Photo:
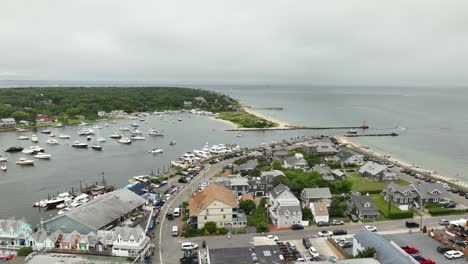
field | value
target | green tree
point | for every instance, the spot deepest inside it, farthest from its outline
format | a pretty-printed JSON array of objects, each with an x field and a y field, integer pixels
[
  {"x": 280, "y": 179},
  {"x": 307, "y": 214},
  {"x": 262, "y": 228},
  {"x": 20, "y": 115},
  {"x": 247, "y": 206},
  {"x": 73, "y": 111},
  {"x": 276, "y": 165},
  {"x": 210, "y": 227},
  {"x": 341, "y": 186},
  {"x": 366, "y": 253}
]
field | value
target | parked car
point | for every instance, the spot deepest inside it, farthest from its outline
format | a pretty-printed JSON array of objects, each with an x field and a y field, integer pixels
[
  {"x": 297, "y": 227},
  {"x": 314, "y": 253},
  {"x": 442, "y": 249},
  {"x": 183, "y": 180},
  {"x": 272, "y": 237},
  {"x": 337, "y": 222},
  {"x": 453, "y": 254},
  {"x": 352, "y": 217},
  {"x": 189, "y": 246},
  {"x": 325, "y": 233},
  {"x": 322, "y": 223},
  {"x": 345, "y": 244},
  {"x": 411, "y": 224},
  {"x": 169, "y": 216},
  {"x": 339, "y": 232},
  {"x": 423, "y": 260},
  {"x": 444, "y": 222},
  {"x": 291, "y": 245},
  {"x": 306, "y": 242},
  {"x": 450, "y": 205},
  {"x": 454, "y": 190},
  {"x": 370, "y": 228},
  {"x": 410, "y": 249}
]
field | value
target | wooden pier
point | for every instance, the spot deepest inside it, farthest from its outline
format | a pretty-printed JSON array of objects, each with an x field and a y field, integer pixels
[
  {"x": 373, "y": 135},
  {"x": 297, "y": 128}
]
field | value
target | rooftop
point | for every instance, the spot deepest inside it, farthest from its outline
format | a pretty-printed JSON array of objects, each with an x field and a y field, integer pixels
[
  {"x": 386, "y": 252},
  {"x": 317, "y": 192},
  {"x": 200, "y": 200}
]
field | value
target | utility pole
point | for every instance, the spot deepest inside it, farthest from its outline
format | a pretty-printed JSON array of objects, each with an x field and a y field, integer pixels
[{"x": 421, "y": 214}]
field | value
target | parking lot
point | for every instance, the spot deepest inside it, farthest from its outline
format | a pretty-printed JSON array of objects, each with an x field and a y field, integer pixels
[{"x": 426, "y": 245}]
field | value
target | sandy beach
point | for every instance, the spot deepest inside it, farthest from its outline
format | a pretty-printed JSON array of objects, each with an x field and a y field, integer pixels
[{"x": 399, "y": 162}]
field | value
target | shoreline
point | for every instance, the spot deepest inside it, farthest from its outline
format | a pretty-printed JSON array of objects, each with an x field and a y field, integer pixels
[
  {"x": 281, "y": 124},
  {"x": 399, "y": 162}
]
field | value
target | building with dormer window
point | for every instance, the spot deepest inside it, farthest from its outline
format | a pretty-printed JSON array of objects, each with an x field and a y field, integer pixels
[
  {"x": 363, "y": 205},
  {"x": 14, "y": 232},
  {"x": 285, "y": 209},
  {"x": 430, "y": 193},
  {"x": 128, "y": 241},
  {"x": 402, "y": 197}
]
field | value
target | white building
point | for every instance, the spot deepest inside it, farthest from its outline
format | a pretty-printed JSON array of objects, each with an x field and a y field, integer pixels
[
  {"x": 128, "y": 241},
  {"x": 6, "y": 122},
  {"x": 285, "y": 209},
  {"x": 319, "y": 211}
]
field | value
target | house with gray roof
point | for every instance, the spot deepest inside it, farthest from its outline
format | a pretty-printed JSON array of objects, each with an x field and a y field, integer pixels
[
  {"x": 129, "y": 241},
  {"x": 238, "y": 184},
  {"x": 246, "y": 167},
  {"x": 386, "y": 252},
  {"x": 324, "y": 171},
  {"x": 363, "y": 205},
  {"x": 280, "y": 154},
  {"x": 296, "y": 162},
  {"x": 311, "y": 195},
  {"x": 377, "y": 172},
  {"x": 402, "y": 196},
  {"x": 320, "y": 147},
  {"x": 285, "y": 209},
  {"x": 14, "y": 232},
  {"x": 263, "y": 185},
  {"x": 338, "y": 174},
  {"x": 430, "y": 193},
  {"x": 7, "y": 122},
  {"x": 105, "y": 210},
  {"x": 349, "y": 158}
]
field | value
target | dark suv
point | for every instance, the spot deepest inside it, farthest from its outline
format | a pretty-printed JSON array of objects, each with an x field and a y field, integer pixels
[
  {"x": 411, "y": 224},
  {"x": 306, "y": 243}
]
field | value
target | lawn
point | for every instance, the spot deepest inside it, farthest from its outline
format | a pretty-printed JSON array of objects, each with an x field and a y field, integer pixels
[
  {"x": 395, "y": 212},
  {"x": 364, "y": 185}
]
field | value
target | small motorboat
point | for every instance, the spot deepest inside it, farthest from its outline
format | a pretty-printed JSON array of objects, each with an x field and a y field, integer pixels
[
  {"x": 21, "y": 130},
  {"x": 52, "y": 141},
  {"x": 125, "y": 141},
  {"x": 179, "y": 119},
  {"x": 14, "y": 149},
  {"x": 240, "y": 135},
  {"x": 134, "y": 125},
  {"x": 47, "y": 131},
  {"x": 115, "y": 135},
  {"x": 34, "y": 139},
  {"x": 43, "y": 156},
  {"x": 114, "y": 122},
  {"x": 23, "y": 138},
  {"x": 25, "y": 161},
  {"x": 78, "y": 144},
  {"x": 172, "y": 143},
  {"x": 135, "y": 132},
  {"x": 137, "y": 138},
  {"x": 3, "y": 168},
  {"x": 100, "y": 139},
  {"x": 156, "y": 150},
  {"x": 28, "y": 151},
  {"x": 106, "y": 124},
  {"x": 64, "y": 210},
  {"x": 352, "y": 131},
  {"x": 124, "y": 129},
  {"x": 96, "y": 147},
  {"x": 60, "y": 206},
  {"x": 2, "y": 159},
  {"x": 156, "y": 132},
  {"x": 64, "y": 136},
  {"x": 58, "y": 125}
]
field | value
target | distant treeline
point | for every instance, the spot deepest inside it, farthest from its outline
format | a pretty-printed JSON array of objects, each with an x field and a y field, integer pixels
[{"x": 66, "y": 102}]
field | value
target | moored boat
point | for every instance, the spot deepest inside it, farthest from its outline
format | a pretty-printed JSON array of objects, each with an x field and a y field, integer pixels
[
  {"x": 25, "y": 161},
  {"x": 115, "y": 135},
  {"x": 156, "y": 132},
  {"x": 137, "y": 138},
  {"x": 173, "y": 142},
  {"x": 78, "y": 144},
  {"x": 64, "y": 136},
  {"x": 43, "y": 156},
  {"x": 47, "y": 131},
  {"x": 23, "y": 138},
  {"x": 3, "y": 168},
  {"x": 14, "y": 149},
  {"x": 52, "y": 141},
  {"x": 34, "y": 139},
  {"x": 125, "y": 141},
  {"x": 96, "y": 147},
  {"x": 156, "y": 150}
]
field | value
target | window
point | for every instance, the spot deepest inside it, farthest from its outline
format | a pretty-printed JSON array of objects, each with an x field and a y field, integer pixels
[
  {"x": 224, "y": 216},
  {"x": 205, "y": 217},
  {"x": 436, "y": 200},
  {"x": 222, "y": 210},
  {"x": 207, "y": 210}
]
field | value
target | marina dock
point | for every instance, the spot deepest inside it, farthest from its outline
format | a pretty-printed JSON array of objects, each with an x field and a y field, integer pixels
[{"x": 298, "y": 128}]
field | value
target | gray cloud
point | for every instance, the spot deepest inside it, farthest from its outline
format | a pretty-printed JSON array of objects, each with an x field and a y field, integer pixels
[{"x": 396, "y": 42}]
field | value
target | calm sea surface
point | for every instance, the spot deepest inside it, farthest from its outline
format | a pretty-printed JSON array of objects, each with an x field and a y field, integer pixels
[{"x": 431, "y": 122}]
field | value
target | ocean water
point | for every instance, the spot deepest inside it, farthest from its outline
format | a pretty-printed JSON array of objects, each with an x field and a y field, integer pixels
[{"x": 430, "y": 122}]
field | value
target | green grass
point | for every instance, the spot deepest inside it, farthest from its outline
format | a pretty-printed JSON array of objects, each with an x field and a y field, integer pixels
[
  {"x": 246, "y": 120},
  {"x": 364, "y": 185},
  {"x": 395, "y": 212}
]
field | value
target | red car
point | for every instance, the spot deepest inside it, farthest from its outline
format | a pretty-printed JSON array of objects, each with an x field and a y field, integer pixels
[
  {"x": 423, "y": 260},
  {"x": 410, "y": 249}
]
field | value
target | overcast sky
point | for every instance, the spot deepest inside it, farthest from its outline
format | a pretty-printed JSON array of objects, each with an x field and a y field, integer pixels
[{"x": 312, "y": 42}]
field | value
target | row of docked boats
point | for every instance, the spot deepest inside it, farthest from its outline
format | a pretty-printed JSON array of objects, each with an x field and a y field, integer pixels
[{"x": 206, "y": 152}]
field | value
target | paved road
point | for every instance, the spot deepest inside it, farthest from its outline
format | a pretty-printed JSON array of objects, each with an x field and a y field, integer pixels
[{"x": 167, "y": 246}]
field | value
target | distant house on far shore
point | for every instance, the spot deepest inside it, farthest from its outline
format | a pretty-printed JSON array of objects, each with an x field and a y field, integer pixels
[
  {"x": 7, "y": 122},
  {"x": 42, "y": 119}
]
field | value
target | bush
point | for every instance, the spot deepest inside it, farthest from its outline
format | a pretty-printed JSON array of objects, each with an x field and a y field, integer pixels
[
  {"x": 445, "y": 211},
  {"x": 240, "y": 161},
  {"x": 307, "y": 214},
  {"x": 247, "y": 205},
  {"x": 222, "y": 231},
  {"x": 24, "y": 251},
  {"x": 190, "y": 230},
  {"x": 262, "y": 228},
  {"x": 366, "y": 253},
  {"x": 240, "y": 231},
  {"x": 400, "y": 215},
  {"x": 210, "y": 227}
]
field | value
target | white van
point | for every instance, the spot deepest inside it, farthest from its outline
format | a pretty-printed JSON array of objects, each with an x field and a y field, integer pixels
[
  {"x": 175, "y": 230},
  {"x": 176, "y": 211}
]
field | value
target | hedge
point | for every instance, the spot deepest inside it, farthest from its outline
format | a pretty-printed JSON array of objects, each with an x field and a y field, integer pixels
[
  {"x": 445, "y": 211},
  {"x": 400, "y": 215}
]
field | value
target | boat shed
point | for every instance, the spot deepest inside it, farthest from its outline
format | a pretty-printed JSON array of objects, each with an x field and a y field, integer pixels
[{"x": 103, "y": 212}]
